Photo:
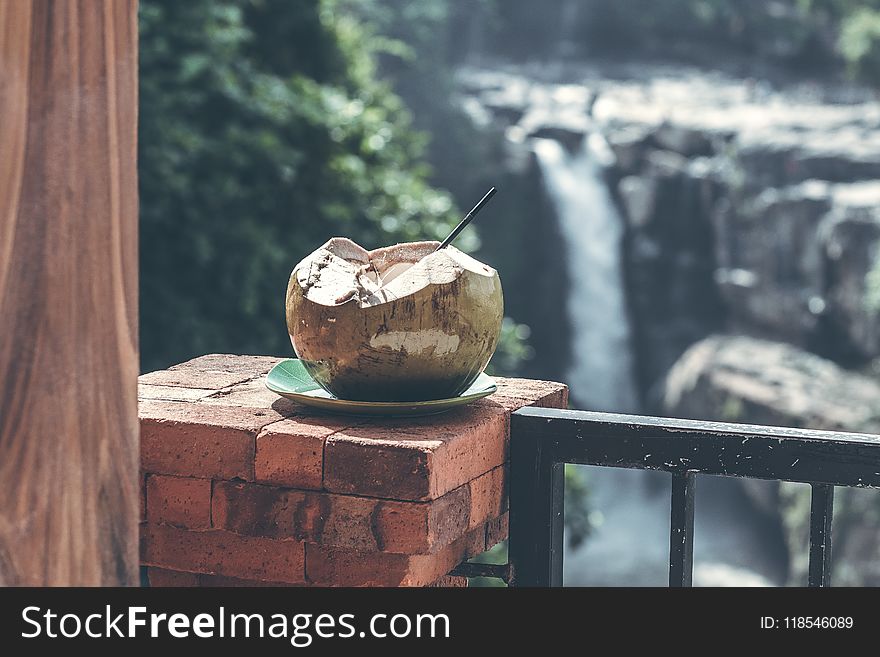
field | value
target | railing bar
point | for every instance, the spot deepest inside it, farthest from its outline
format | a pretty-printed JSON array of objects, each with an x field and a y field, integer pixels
[
  {"x": 681, "y": 529},
  {"x": 756, "y": 458},
  {"x": 673, "y": 445},
  {"x": 536, "y": 499},
  {"x": 821, "y": 510},
  {"x": 592, "y": 423},
  {"x": 557, "y": 528},
  {"x": 542, "y": 440}
]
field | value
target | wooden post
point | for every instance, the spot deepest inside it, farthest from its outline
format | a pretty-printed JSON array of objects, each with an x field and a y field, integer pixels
[{"x": 68, "y": 292}]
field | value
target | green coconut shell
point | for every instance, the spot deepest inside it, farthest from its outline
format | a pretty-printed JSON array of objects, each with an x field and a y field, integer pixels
[{"x": 426, "y": 334}]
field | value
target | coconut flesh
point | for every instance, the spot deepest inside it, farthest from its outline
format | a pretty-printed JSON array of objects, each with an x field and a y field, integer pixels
[{"x": 401, "y": 323}]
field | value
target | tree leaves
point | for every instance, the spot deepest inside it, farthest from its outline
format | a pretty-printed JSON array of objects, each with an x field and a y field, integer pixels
[{"x": 264, "y": 130}]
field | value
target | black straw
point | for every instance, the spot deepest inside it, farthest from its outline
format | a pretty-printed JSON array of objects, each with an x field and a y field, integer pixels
[{"x": 467, "y": 219}]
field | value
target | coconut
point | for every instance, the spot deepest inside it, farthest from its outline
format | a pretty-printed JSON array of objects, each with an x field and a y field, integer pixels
[{"x": 401, "y": 323}]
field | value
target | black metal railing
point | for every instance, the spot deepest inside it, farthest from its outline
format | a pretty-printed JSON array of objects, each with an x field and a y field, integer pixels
[{"x": 542, "y": 441}]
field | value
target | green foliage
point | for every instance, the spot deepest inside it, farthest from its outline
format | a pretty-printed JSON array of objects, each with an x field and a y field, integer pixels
[
  {"x": 733, "y": 409},
  {"x": 857, "y": 25},
  {"x": 872, "y": 287},
  {"x": 264, "y": 130},
  {"x": 496, "y": 554},
  {"x": 420, "y": 43},
  {"x": 860, "y": 43},
  {"x": 580, "y": 519},
  {"x": 513, "y": 349}
]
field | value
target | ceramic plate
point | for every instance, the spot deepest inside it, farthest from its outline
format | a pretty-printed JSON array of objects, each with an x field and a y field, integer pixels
[{"x": 290, "y": 379}]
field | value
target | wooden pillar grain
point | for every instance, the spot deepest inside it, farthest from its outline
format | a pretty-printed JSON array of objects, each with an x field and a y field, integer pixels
[{"x": 68, "y": 292}]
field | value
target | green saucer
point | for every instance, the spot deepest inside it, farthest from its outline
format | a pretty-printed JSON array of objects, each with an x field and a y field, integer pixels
[{"x": 290, "y": 379}]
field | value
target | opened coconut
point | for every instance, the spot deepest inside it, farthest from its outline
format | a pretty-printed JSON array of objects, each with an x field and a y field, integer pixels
[{"x": 401, "y": 323}]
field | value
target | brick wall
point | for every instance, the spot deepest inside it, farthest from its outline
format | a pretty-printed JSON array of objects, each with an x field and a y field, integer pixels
[{"x": 241, "y": 487}]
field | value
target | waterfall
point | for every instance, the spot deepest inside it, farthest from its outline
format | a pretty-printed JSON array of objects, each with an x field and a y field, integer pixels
[
  {"x": 631, "y": 545},
  {"x": 600, "y": 373}
]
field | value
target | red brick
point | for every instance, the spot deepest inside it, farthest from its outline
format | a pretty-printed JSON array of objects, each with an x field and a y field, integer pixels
[
  {"x": 198, "y": 440},
  {"x": 330, "y": 566},
  {"x": 403, "y": 527},
  {"x": 450, "y": 582},
  {"x": 179, "y": 501},
  {"x": 467, "y": 455},
  {"x": 416, "y": 458},
  {"x": 496, "y": 530},
  {"x": 171, "y": 393},
  {"x": 142, "y": 494},
  {"x": 514, "y": 394},
  {"x": 488, "y": 497},
  {"x": 291, "y": 452},
  {"x": 254, "y": 510},
  {"x": 213, "y": 372},
  {"x": 236, "y": 582},
  {"x": 252, "y": 393},
  {"x": 378, "y": 466},
  {"x": 366, "y": 524},
  {"x": 447, "y": 521},
  {"x": 217, "y": 552},
  {"x": 163, "y": 577},
  {"x": 166, "y": 578}
]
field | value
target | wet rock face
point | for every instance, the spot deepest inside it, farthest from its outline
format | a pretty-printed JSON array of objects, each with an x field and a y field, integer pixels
[
  {"x": 743, "y": 379},
  {"x": 769, "y": 261},
  {"x": 793, "y": 264},
  {"x": 770, "y": 197},
  {"x": 850, "y": 237},
  {"x": 747, "y": 207},
  {"x": 668, "y": 260}
]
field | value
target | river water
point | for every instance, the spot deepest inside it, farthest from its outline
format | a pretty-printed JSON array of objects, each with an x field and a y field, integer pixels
[{"x": 600, "y": 374}]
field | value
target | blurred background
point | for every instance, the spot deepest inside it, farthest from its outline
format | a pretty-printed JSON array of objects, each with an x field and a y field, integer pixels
[{"x": 687, "y": 222}]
